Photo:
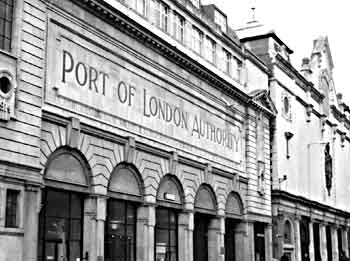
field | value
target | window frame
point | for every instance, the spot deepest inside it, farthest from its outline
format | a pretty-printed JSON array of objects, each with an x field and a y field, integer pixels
[
  {"x": 159, "y": 15},
  {"x": 178, "y": 27},
  {"x": 210, "y": 50},
  {"x": 168, "y": 229},
  {"x": 197, "y": 38},
  {"x": 221, "y": 20},
  {"x": 8, "y": 21},
  {"x": 134, "y": 4},
  {"x": 126, "y": 204},
  {"x": 9, "y": 223},
  {"x": 42, "y": 237}
]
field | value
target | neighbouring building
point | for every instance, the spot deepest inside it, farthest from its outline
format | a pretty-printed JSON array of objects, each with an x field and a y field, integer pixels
[
  {"x": 132, "y": 130},
  {"x": 310, "y": 150}
]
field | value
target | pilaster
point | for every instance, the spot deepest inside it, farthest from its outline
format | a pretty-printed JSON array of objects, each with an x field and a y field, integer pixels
[
  {"x": 335, "y": 255},
  {"x": 185, "y": 235},
  {"x": 297, "y": 238},
  {"x": 31, "y": 222},
  {"x": 311, "y": 244},
  {"x": 241, "y": 242},
  {"x": 146, "y": 221}
]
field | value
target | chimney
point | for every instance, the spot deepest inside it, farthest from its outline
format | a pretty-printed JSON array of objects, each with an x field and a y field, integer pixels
[{"x": 305, "y": 68}]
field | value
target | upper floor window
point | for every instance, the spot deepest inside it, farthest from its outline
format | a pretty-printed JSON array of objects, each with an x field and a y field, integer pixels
[
  {"x": 224, "y": 60},
  {"x": 220, "y": 19},
  {"x": 6, "y": 18},
  {"x": 159, "y": 14},
  {"x": 138, "y": 5},
  {"x": 236, "y": 66},
  {"x": 179, "y": 27},
  {"x": 210, "y": 50},
  {"x": 197, "y": 40},
  {"x": 11, "y": 219}
]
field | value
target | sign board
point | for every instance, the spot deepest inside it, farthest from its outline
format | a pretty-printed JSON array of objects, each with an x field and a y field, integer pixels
[{"x": 86, "y": 77}]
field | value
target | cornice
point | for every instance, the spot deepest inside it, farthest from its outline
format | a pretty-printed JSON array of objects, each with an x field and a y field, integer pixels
[
  {"x": 276, "y": 194},
  {"x": 132, "y": 28},
  {"x": 300, "y": 80}
]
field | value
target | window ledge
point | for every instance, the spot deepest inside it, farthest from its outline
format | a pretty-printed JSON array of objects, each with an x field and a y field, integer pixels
[
  {"x": 9, "y": 54},
  {"x": 11, "y": 231}
]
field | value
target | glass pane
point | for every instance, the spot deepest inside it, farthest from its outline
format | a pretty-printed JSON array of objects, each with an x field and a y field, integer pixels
[
  {"x": 116, "y": 211},
  {"x": 50, "y": 251},
  {"x": 131, "y": 214},
  {"x": 75, "y": 230},
  {"x": 130, "y": 233},
  {"x": 57, "y": 204},
  {"x": 162, "y": 217},
  {"x": 56, "y": 229},
  {"x": 130, "y": 252},
  {"x": 74, "y": 249},
  {"x": 173, "y": 237},
  {"x": 162, "y": 236},
  {"x": 76, "y": 208}
]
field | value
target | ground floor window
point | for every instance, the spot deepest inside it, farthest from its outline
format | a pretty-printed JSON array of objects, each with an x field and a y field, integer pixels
[
  {"x": 61, "y": 226},
  {"x": 120, "y": 234},
  {"x": 166, "y": 234},
  {"x": 200, "y": 237}
]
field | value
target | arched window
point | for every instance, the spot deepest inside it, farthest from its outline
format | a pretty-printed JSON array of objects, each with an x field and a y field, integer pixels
[
  {"x": 169, "y": 201},
  {"x": 61, "y": 218},
  {"x": 287, "y": 232},
  {"x": 125, "y": 190}
]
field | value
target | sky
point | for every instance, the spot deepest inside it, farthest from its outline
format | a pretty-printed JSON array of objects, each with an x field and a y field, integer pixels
[{"x": 298, "y": 23}]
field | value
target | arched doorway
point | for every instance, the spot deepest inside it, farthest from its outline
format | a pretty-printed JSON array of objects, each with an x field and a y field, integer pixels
[
  {"x": 61, "y": 217},
  {"x": 125, "y": 193},
  {"x": 169, "y": 204},
  {"x": 234, "y": 214},
  {"x": 205, "y": 210}
]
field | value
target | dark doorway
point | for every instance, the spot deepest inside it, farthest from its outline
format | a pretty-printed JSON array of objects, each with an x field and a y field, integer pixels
[
  {"x": 200, "y": 237},
  {"x": 316, "y": 233},
  {"x": 340, "y": 242},
  {"x": 304, "y": 238},
  {"x": 120, "y": 231},
  {"x": 259, "y": 241},
  {"x": 61, "y": 226},
  {"x": 230, "y": 244},
  {"x": 329, "y": 243}
]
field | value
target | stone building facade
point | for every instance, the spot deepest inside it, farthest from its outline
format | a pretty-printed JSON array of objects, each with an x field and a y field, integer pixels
[
  {"x": 310, "y": 148},
  {"x": 131, "y": 130}
]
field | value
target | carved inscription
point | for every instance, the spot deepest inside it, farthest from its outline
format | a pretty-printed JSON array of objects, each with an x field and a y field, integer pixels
[{"x": 86, "y": 79}]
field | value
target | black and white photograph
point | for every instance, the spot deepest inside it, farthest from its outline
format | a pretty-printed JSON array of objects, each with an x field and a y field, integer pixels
[{"x": 174, "y": 130}]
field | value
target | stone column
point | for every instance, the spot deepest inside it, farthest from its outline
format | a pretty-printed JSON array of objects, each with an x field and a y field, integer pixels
[
  {"x": 345, "y": 241},
  {"x": 335, "y": 255},
  {"x": 101, "y": 205},
  {"x": 323, "y": 242},
  {"x": 268, "y": 242},
  {"x": 89, "y": 229},
  {"x": 311, "y": 244},
  {"x": 297, "y": 239},
  {"x": 241, "y": 242},
  {"x": 251, "y": 246},
  {"x": 146, "y": 220},
  {"x": 185, "y": 234},
  {"x": 216, "y": 232},
  {"x": 32, "y": 197}
]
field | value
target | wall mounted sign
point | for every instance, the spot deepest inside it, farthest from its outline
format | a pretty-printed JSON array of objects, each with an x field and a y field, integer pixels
[{"x": 86, "y": 77}]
